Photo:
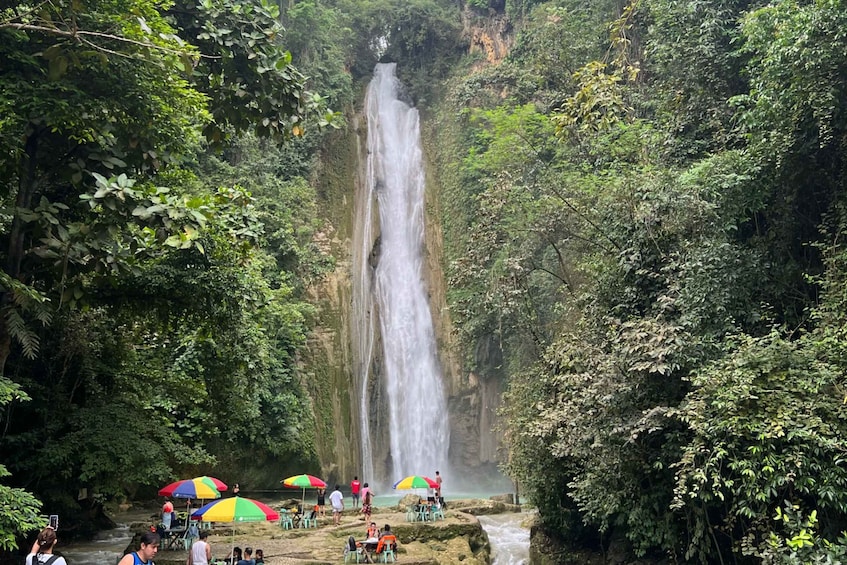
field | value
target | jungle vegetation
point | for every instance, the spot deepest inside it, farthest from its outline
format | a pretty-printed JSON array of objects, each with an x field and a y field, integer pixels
[{"x": 642, "y": 204}]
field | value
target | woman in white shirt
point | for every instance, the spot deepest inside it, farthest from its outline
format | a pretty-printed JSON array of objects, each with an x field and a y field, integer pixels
[{"x": 42, "y": 549}]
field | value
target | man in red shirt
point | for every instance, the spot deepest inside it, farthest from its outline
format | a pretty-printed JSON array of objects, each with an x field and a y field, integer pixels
[{"x": 354, "y": 490}]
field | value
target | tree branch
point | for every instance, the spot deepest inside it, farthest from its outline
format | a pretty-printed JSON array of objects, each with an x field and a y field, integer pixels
[{"x": 78, "y": 35}]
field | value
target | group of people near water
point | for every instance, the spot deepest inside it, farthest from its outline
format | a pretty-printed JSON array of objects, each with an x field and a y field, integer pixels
[{"x": 200, "y": 552}]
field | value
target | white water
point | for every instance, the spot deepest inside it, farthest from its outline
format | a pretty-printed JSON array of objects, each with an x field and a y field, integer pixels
[
  {"x": 363, "y": 316},
  {"x": 418, "y": 424},
  {"x": 105, "y": 549},
  {"x": 509, "y": 538}
]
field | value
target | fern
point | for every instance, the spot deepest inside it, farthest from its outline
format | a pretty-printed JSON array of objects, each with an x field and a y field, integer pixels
[{"x": 24, "y": 300}]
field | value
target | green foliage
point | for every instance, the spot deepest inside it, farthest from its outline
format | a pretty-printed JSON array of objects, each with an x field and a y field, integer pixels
[
  {"x": 766, "y": 423},
  {"x": 421, "y": 36},
  {"x": 19, "y": 509},
  {"x": 316, "y": 34},
  {"x": 692, "y": 52},
  {"x": 691, "y": 205},
  {"x": 245, "y": 71},
  {"x": 168, "y": 334}
]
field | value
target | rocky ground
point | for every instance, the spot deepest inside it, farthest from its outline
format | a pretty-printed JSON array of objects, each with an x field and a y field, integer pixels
[{"x": 456, "y": 539}]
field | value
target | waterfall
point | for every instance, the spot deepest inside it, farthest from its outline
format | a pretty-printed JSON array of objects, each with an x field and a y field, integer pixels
[
  {"x": 393, "y": 294},
  {"x": 363, "y": 313}
]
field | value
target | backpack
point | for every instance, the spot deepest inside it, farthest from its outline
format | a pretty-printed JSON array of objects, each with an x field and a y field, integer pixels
[{"x": 50, "y": 561}]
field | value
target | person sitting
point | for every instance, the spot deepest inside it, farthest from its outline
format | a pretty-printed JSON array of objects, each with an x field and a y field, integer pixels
[
  {"x": 233, "y": 557},
  {"x": 372, "y": 532},
  {"x": 430, "y": 495},
  {"x": 388, "y": 538},
  {"x": 248, "y": 557}
]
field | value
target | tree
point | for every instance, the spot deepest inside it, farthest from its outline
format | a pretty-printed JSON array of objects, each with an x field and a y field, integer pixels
[{"x": 20, "y": 509}]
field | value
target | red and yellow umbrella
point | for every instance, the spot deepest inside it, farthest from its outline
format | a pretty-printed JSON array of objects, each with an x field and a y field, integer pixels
[{"x": 235, "y": 509}]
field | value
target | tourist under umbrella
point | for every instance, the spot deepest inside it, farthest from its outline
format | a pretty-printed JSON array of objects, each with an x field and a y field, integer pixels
[
  {"x": 414, "y": 482},
  {"x": 235, "y": 509},
  {"x": 201, "y": 488}
]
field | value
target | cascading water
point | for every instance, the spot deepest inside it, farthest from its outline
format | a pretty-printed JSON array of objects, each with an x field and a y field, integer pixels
[
  {"x": 509, "y": 538},
  {"x": 419, "y": 430}
]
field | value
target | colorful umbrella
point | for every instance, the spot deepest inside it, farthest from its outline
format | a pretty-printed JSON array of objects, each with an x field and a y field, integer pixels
[
  {"x": 415, "y": 481},
  {"x": 198, "y": 487},
  {"x": 303, "y": 482},
  {"x": 235, "y": 509}
]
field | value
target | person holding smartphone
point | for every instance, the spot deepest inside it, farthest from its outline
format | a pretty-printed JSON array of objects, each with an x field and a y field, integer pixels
[{"x": 42, "y": 549}]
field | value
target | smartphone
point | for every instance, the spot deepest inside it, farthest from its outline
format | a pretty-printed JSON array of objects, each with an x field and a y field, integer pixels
[{"x": 54, "y": 521}]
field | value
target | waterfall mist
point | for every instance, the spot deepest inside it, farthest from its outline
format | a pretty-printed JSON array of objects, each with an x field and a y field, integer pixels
[{"x": 393, "y": 292}]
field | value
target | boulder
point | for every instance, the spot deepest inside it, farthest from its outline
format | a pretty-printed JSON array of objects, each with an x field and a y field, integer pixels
[{"x": 505, "y": 498}]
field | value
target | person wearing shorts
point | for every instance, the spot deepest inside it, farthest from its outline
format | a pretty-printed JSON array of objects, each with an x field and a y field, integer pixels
[
  {"x": 336, "y": 499},
  {"x": 354, "y": 490}
]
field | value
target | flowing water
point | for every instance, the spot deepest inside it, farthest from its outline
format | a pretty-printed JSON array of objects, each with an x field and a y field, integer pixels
[
  {"x": 509, "y": 538},
  {"x": 395, "y": 182},
  {"x": 105, "y": 549}
]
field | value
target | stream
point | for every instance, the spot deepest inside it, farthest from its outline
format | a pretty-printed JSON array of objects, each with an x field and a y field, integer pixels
[
  {"x": 508, "y": 536},
  {"x": 105, "y": 549}
]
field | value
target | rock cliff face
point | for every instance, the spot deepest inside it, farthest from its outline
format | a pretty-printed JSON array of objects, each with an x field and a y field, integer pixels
[{"x": 491, "y": 35}]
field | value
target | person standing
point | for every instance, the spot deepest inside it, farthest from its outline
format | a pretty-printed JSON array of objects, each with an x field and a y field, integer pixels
[
  {"x": 367, "y": 501},
  {"x": 438, "y": 488},
  {"x": 145, "y": 554},
  {"x": 354, "y": 490},
  {"x": 200, "y": 552},
  {"x": 167, "y": 513},
  {"x": 337, "y": 501},
  {"x": 365, "y": 490},
  {"x": 42, "y": 549},
  {"x": 321, "y": 505}
]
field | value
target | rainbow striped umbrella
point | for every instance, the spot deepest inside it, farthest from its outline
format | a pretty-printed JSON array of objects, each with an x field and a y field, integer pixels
[
  {"x": 415, "y": 481},
  {"x": 198, "y": 487},
  {"x": 303, "y": 482},
  {"x": 235, "y": 509}
]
